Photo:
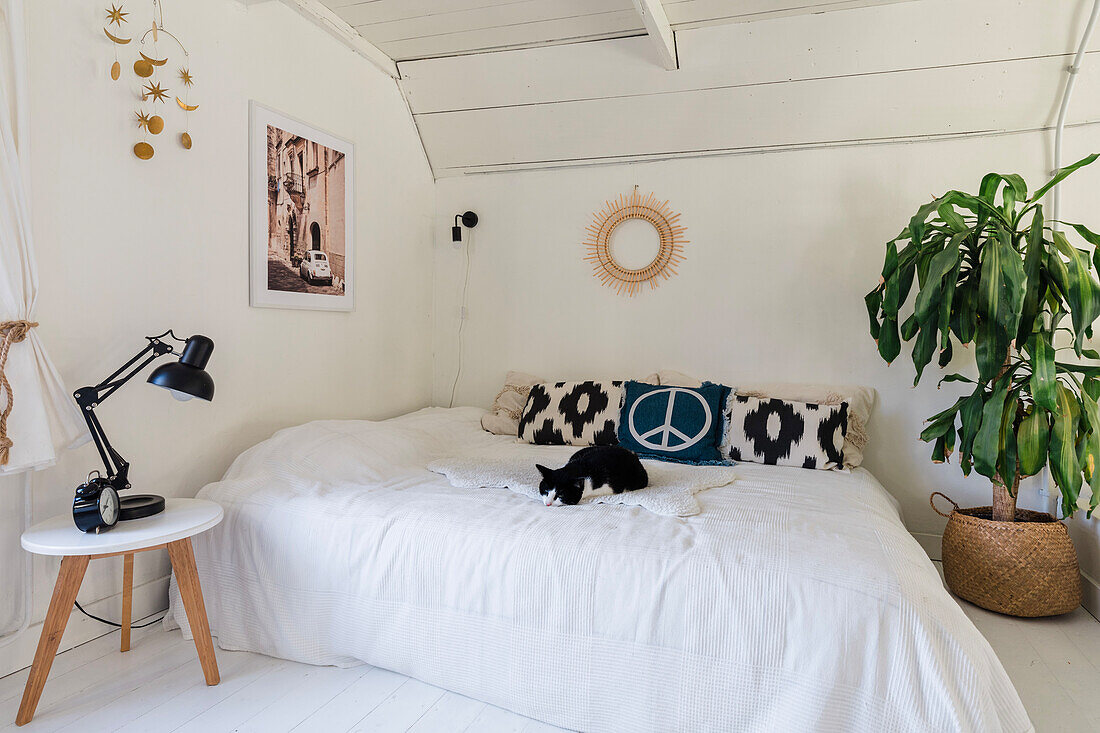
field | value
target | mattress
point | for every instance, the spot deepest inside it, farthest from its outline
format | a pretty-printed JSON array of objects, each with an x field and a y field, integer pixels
[{"x": 795, "y": 601}]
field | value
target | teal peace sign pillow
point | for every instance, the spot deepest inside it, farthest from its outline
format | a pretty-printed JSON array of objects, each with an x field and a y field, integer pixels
[{"x": 679, "y": 424}]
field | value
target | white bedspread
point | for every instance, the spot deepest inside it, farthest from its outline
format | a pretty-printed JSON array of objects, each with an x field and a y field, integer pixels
[
  {"x": 671, "y": 490},
  {"x": 795, "y": 601}
]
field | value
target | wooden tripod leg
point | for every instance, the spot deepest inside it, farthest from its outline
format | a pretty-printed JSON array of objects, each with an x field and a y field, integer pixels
[
  {"x": 61, "y": 605},
  {"x": 187, "y": 578},
  {"x": 127, "y": 598}
]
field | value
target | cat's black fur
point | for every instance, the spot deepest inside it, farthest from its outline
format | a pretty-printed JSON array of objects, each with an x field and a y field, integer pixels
[{"x": 604, "y": 465}]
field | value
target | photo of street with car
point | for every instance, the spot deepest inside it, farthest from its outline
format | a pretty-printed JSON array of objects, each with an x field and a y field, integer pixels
[{"x": 306, "y": 217}]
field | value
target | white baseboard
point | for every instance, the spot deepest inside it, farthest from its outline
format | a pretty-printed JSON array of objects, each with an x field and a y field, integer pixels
[
  {"x": 1090, "y": 595},
  {"x": 149, "y": 598},
  {"x": 930, "y": 542}
]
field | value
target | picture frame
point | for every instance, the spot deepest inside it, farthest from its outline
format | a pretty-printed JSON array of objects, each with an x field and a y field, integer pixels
[{"x": 301, "y": 214}]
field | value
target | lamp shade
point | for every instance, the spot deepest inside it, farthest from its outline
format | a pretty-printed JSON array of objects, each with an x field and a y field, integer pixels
[{"x": 187, "y": 377}]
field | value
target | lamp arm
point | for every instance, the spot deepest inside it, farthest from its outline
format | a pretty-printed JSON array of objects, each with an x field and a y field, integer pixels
[{"x": 90, "y": 397}]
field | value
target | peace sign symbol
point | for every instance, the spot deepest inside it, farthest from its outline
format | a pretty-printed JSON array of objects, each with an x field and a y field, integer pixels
[{"x": 667, "y": 430}]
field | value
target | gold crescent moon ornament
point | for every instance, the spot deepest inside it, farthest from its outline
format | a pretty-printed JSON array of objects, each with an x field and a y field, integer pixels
[
  {"x": 116, "y": 70},
  {"x": 185, "y": 141},
  {"x": 143, "y": 68},
  {"x": 634, "y": 206},
  {"x": 116, "y": 39},
  {"x": 143, "y": 150},
  {"x": 153, "y": 61},
  {"x": 156, "y": 124},
  {"x": 187, "y": 107}
]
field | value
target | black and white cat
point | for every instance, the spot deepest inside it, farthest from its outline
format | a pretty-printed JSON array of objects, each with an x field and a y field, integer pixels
[{"x": 592, "y": 471}]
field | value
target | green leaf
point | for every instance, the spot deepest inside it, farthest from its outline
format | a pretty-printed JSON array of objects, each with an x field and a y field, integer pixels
[
  {"x": 987, "y": 443},
  {"x": 957, "y": 378},
  {"x": 1083, "y": 290},
  {"x": 948, "y": 214},
  {"x": 891, "y": 292},
  {"x": 970, "y": 420},
  {"x": 991, "y": 348},
  {"x": 1092, "y": 449},
  {"x": 964, "y": 320},
  {"x": 1033, "y": 270},
  {"x": 1044, "y": 385},
  {"x": 1006, "y": 459},
  {"x": 1061, "y": 175},
  {"x": 946, "y": 354},
  {"x": 873, "y": 301},
  {"x": 889, "y": 345},
  {"x": 1064, "y": 466},
  {"x": 1087, "y": 234},
  {"x": 1012, "y": 298},
  {"x": 1032, "y": 439},
  {"x": 910, "y": 327},
  {"x": 925, "y": 345},
  {"x": 939, "y": 267}
]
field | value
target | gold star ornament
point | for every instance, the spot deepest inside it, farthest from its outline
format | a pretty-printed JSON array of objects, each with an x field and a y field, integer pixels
[
  {"x": 154, "y": 90},
  {"x": 116, "y": 16},
  {"x": 143, "y": 120},
  {"x": 186, "y": 78}
]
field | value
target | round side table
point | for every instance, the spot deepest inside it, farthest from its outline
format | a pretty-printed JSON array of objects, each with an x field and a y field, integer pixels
[{"x": 171, "y": 529}]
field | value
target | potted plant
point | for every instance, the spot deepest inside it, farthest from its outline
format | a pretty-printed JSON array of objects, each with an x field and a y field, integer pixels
[{"x": 989, "y": 270}]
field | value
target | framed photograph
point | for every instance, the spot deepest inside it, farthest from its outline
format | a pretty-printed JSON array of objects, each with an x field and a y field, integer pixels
[{"x": 302, "y": 217}]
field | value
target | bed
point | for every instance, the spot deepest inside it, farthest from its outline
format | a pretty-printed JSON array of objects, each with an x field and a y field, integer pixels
[{"x": 794, "y": 601}]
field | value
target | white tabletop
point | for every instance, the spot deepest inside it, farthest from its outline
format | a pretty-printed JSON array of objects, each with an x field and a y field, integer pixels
[{"x": 180, "y": 518}]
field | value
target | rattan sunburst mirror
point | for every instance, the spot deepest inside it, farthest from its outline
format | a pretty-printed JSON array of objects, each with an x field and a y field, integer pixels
[{"x": 634, "y": 205}]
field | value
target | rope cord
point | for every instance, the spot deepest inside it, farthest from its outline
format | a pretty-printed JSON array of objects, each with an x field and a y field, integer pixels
[{"x": 11, "y": 332}]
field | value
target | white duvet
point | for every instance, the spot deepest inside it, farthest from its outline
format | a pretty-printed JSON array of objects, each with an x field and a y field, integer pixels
[{"x": 795, "y": 601}]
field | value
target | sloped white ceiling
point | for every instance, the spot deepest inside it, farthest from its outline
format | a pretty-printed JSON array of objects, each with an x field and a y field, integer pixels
[
  {"x": 885, "y": 74},
  {"x": 417, "y": 29}
]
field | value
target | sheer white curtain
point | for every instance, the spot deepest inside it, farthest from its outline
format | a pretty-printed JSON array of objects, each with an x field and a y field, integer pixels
[{"x": 44, "y": 419}]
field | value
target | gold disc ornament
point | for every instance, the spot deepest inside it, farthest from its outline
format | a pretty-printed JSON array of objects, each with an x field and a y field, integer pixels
[
  {"x": 116, "y": 70},
  {"x": 634, "y": 206},
  {"x": 143, "y": 150},
  {"x": 143, "y": 68},
  {"x": 185, "y": 141},
  {"x": 156, "y": 124}
]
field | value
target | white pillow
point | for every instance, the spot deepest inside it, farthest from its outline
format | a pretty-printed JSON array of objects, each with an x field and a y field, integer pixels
[
  {"x": 784, "y": 432},
  {"x": 861, "y": 402}
]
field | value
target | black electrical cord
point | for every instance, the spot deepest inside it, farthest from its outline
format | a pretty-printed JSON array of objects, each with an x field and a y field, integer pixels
[{"x": 112, "y": 623}]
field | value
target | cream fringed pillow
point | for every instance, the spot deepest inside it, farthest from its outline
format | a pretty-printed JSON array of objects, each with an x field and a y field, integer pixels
[{"x": 503, "y": 416}]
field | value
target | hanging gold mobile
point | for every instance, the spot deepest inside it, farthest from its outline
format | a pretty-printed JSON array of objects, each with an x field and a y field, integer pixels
[
  {"x": 634, "y": 206},
  {"x": 147, "y": 68}
]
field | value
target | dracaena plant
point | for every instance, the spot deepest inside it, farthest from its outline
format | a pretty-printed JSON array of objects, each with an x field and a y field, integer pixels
[{"x": 989, "y": 270}]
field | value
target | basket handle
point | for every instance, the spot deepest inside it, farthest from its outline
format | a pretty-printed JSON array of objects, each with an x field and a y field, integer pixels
[{"x": 932, "y": 501}]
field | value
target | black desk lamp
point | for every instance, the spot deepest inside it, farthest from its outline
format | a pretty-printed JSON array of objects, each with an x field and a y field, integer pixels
[{"x": 97, "y": 505}]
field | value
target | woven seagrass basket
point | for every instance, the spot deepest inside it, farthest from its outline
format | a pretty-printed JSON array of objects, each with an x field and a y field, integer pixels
[{"x": 1022, "y": 568}]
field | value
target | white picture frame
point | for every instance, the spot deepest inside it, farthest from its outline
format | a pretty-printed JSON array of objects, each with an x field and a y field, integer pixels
[{"x": 301, "y": 201}]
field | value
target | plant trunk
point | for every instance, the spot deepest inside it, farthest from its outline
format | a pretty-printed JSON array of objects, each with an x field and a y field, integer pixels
[{"x": 1004, "y": 501}]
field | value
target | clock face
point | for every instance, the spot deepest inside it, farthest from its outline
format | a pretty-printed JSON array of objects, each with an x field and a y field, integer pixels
[{"x": 108, "y": 506}]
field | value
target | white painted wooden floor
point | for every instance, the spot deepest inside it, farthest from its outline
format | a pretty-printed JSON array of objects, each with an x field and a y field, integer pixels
[{"x": 157, "y": 687}]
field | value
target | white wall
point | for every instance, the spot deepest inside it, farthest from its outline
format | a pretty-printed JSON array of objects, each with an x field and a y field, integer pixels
[
  {"x": 795, "y": 148},
  {"x": 783, "y": 248},
  {"x": 129, "y": 248}
]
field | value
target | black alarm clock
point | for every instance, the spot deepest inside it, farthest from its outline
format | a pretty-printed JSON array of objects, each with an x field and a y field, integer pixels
[{"x": 96, "y": 505}]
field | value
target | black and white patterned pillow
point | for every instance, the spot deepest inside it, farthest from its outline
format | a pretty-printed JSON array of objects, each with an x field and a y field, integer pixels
[
  {"x": 572, "y": 413},
  {"x": 783, "y": 433}
]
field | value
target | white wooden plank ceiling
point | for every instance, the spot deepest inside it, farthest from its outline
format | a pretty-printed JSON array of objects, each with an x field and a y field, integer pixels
[{"x": 417, "y": 29}]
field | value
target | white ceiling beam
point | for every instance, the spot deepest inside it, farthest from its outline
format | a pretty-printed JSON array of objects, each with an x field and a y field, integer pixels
[
  {"x": 336, "y": 26},
  {"x": 658, "y": 28}
]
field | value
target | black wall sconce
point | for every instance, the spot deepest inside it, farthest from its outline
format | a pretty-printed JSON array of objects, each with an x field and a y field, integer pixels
[{"x": 469, "y": 220}]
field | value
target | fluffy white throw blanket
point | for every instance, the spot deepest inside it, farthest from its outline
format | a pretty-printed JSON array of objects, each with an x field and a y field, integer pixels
[{"x": 671, "y": 491}]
